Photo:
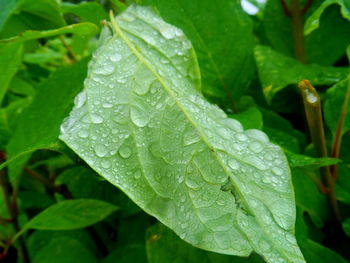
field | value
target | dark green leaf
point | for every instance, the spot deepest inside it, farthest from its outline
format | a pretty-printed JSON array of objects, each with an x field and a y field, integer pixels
[
  {"x": 10, "y": 60},
  {"x": 128, "y": 254},
  {"x": 71, "y": 214},
  {"x": 38, "y": 126},
  {"x": 277, "y": 71},
  {"x": 164, "y": 246},
  {"x": 299, "y": 160},
  {"x": 314, "y": 20}
]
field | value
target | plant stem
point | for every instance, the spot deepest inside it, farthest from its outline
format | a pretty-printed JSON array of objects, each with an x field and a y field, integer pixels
[
  {"x": 296, "y": 14},
  {"x": 312, "y": 105},
  {"x": 70, "y": 52},
  {"x": 338, "y": 133},
  {"x": 12, "y": 209}
]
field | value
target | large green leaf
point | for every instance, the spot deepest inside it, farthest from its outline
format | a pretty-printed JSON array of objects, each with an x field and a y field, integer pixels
[
  {"x": 221, "y": 33},
  {"x": 277, "y": 71},
  {"x": 314, "y": 20},
  {"x": 142, "y": 124}
]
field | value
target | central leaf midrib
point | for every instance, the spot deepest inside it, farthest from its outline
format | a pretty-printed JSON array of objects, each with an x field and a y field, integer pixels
[{"x": 141, "y": 58}]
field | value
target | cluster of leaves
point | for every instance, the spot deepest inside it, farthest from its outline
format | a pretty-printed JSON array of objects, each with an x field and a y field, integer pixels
[{"x": 142, "y": 124}]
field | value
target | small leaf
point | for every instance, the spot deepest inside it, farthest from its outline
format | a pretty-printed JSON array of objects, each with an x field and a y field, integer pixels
[
  {"x": 82, "y": 29},
  {"x": 314, "y": 20},
  {"x": 10, "y": 60},
  {"x": 277, "y": 71},
  {"x": 299, "y": 160},
  {"x": 142, "y": 124},
  {"x": 71, "y": 214}
]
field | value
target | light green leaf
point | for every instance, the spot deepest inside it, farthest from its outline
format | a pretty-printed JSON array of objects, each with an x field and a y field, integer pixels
[
  {"x": 7, "y": 7},
  {"x": 277, "y": 71},
  {"x": 314, "y": 20},
  {"x": 222, "y": 36},
  {"x": 142, "y": 124},
  {"x": 82, "y": 29},
  {"x": 71, "y": 214}
]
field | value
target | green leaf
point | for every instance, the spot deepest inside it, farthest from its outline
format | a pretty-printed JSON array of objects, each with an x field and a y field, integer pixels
[
  {"x": 143, "y": 125},
  {"x": 250, "y": 118},
  {"x": 64, "y": 250},
  {"x": 38, "y": 125},
  {"x": 316, "y": 253},
  {"x": 127, "y": 254},
  {"x": 319, "y": 46},
  {"x": 71, "y": 214},
  {"x": 346, "y": 226},
  {"x": 299, "y": 160},
  {"x": 164, "y": 246},
  {"x": 7, "y": 7},
  {"x": 82, "y": 29},
  {"x": 10, "y": 60},
  {"x": 277, "y": 71},
  {"x": 314, "y": 20},
  {"x": 221, "y": 33},
  {"x": 86, "y": 11},
  {"x": 333, "y": 106}
]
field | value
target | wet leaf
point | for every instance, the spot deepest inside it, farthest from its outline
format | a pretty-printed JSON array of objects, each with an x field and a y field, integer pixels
[{"x": 142, "y": 124}]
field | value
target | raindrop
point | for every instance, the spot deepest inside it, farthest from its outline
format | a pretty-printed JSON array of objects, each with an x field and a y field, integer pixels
[
  {"x": 256, "y": 134},
  {"x": 277, "y": 171},
  {"x": 101, "y": 150},
  {"x": 106, "y": 164},
  {"x": 255, "y": 147},
  {"x": 241, "y": 137},
  {"x": 139, "y": 117},
  {"x": 233, "y": 124},
  {"x": 105, "y": 70},
  {"x": 256, "y": 162},
  {"x": 233, "y": 164},
  {"x": 96, "y": 118},
  {"x": 125, "y": 151},
  {"x": 83, "y": 134},
  {"x": 107, "y": 105},
  {"x": 115, "y": 57},
  {"x": 80, "y": 99},
  {"x": 137, "y": 174}
]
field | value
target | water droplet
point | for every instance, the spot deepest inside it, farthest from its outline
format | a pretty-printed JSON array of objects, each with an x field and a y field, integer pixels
[
  {"x": 264, "y": 245},
  {"x": 190, "y": 137},
  {"x": 256, "y": 162},
  {"x": 101, "y": 150},
  {"x": 258, "y": 135},
  {"x": 277, "y": 171},
  {"x": 233, "y": 124},
  {"x": 233, "y": 164},
  {"x": 137, "y": 174},
  {"x": 155, "y": 87},
  {"x": 96, "y": 118},
  {"x": 220, "y": 202},
  {"x": 107, "y": 105},
  {"x": 167, "y": 30},
  {"x": 241, "y": 137},
  {"x": 255, "y": 147},
  {"x": 115, "y": 57},
  {"x": 139, "y": 117},
  {"x": 106, "y": 164},
  {"x": 80, "y": 99},
  {"x": 83, "y": 133},
  {"x": 105, "y": 70},
  {"x": 224, "y": 133},
  {"x": 125, "y": 151}
]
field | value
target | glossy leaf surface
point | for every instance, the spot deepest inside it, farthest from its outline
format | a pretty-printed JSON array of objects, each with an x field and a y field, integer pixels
[{"x": 142, "y": 124}]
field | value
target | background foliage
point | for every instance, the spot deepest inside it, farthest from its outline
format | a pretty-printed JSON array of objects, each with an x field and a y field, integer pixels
[{"x": 249, "y": 68}]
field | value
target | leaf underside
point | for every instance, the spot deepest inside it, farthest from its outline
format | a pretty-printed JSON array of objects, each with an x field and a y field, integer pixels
[{"x": 142, "y": 123}]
